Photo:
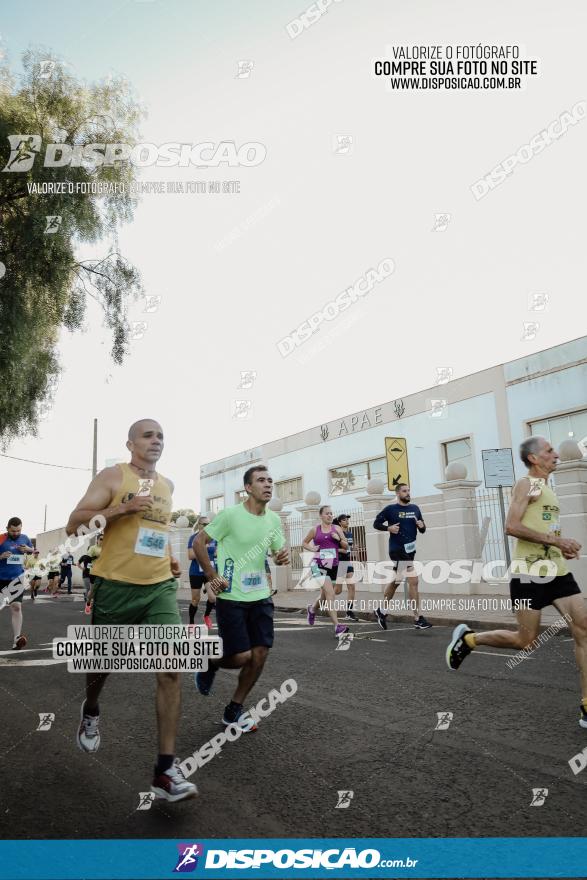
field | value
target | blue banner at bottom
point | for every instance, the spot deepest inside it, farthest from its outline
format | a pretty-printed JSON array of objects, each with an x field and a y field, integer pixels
[{"x": 368, "y": 858}]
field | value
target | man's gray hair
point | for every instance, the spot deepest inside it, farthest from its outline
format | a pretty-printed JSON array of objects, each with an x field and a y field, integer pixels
[{"x": 530, "y": 446}]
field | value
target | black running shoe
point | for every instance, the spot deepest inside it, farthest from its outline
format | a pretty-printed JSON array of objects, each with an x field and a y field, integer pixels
[
  {"x": 582, "y": 716},
  {"x": 233, "y": 715},
  {"x": 350, "y": 615},
  {"x": 381, "y": 618},
  {"x": 422, "y": 623},
  {"x": 205, "y": 680},
  {"x": 458, "y": 648}
]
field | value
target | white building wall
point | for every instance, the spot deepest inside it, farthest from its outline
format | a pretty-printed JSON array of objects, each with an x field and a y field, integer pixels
[
  {"x": 492, "y": 407},
  {"x": 475, "y": 417},
  {"x": 548, "y": 395}
]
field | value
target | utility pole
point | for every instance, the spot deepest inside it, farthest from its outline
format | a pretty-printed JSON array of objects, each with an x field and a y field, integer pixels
[
  {"x": 45, "y": 520},
  {"x": 95, "y": 453}
]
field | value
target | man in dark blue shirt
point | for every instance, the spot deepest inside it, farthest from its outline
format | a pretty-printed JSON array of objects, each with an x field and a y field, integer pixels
[
  {"x": 196, "y": 575},
  {"x": 13, "y": 548},
  {"x": 403, "y": 521},
  {"x": 67, "y": 561}
]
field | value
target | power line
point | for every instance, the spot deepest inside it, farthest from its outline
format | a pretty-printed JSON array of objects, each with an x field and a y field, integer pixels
[{"x": 45, "y": 463}]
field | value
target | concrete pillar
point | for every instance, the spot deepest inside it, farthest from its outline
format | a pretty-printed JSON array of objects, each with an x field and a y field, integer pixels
[
  {"x": 571, "y": 490},
  {"x": 179, "y": 538},
  {"x": 461, "y": 528},
  {"x": 282, "y": 574},
  {"x": 376, "y": 542},
  {"x": 432, "y": 544}
]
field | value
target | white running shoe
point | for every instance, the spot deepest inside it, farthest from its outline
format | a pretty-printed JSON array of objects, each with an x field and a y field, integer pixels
[
  {"x": 172, "y": 784},
  {"x": 88, "y": 732}
]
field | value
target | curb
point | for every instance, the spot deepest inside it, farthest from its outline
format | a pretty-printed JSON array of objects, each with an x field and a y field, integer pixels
[{"x": 475, "y": 624}]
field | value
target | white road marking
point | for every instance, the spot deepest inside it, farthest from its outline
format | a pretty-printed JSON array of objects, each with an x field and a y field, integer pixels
[
  {"x": 45, "y": 662},
  {"x": 359, "y": 638},
  {"x": 498, "y": 654},
  {"x": 389, "y": 629}
]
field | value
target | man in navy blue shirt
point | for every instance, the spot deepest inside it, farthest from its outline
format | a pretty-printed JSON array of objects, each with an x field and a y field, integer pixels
[
  {"x": 403, "y": 521},
  {"x": 196, "y": 575},
  {"x": 67, "y": 562},
  {"x": 13, "y": 548}
]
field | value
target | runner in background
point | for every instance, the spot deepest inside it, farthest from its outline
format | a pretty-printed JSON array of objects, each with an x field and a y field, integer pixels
[
  {"x": 325, "y": 540},
  {"x": 268, "y": 573},
  {"x": 67, "y": 562},
  {"x": 346, "y": 570},
  {"x": 212, "y": 548},
  {"x": 53, "y": 564},
  {"x": 85, "y": 564},
  {"x": 196, "y": 574},
  {"x": 14, "y": 546},
  {"x": 30, "y": 564},
  {"x": 94, "y": 553},
  {"x": 402, "y": 521}
]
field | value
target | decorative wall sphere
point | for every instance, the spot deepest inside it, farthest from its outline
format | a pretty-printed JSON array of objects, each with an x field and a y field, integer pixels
[
  {"x": 569, "y": 451},
  {"x": 456, "y": 470}
]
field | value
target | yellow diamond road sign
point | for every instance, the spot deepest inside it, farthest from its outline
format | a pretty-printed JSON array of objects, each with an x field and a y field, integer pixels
[{"x": 396, "y": 454}]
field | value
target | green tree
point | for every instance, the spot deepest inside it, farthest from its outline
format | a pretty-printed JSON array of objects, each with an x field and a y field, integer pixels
[
  {"x": 185, "y": 511},
  {"x": 45, "y": 286}
]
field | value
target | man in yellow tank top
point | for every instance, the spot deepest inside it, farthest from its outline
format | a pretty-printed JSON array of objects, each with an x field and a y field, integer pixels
[
  {"x": 134, "y": 583},
  {"x": 539, "y": 567}
]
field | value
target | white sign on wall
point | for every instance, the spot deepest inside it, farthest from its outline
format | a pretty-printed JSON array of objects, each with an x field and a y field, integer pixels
[{"x": 498, "y": 467}]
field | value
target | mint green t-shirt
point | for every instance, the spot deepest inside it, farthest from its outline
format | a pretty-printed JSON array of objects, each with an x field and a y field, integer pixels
[{"x": 243, "y": 542}]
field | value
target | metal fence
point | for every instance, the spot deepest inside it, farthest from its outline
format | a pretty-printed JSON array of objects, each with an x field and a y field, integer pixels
[{"x": 492, "y": 529}]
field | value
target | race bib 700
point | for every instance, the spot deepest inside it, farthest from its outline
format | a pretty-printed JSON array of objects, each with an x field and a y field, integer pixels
[{"x": 253, "y": 580}]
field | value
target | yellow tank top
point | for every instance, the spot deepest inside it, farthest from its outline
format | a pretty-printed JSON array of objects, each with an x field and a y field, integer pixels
[
  {"x": 542, "y": 515},
  {"x": 135, "y": 546}
]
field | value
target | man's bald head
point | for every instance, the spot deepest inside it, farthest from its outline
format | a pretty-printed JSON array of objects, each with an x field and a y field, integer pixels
[
  {"x": 145, "y": 443},
  {"x": 138, "y": 428}
]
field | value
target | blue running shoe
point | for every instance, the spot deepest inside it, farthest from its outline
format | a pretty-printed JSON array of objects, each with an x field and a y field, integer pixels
[{"x": 232, "y": 714}]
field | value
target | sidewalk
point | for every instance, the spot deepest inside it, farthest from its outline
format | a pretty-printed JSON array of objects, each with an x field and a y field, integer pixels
[{"x": 482, "y": 612}]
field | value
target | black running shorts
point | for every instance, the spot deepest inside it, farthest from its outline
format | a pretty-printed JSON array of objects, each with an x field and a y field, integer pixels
[
  {"x": 400, "y": 555},
  {"x": 345, "y": 564},
  {"x": 244, "y": 625},
  {"x": 331, "y": 572},
  {"x": 197, "y": 581},
  {"x": 541, "y": 595},
  {"x": 4, "y": 583}
]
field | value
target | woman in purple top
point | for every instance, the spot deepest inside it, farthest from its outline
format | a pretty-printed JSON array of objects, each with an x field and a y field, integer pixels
[{"x": 324, "y": 541}]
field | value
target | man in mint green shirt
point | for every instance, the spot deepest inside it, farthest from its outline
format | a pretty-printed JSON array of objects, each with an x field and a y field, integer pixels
[{"x": 244, "y": 610}]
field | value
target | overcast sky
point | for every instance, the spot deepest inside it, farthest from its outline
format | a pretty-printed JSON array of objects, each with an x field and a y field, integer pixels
[{"x": 238, "y": 272}]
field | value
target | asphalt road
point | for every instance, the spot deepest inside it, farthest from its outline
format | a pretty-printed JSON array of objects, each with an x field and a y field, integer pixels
[{"x": 362, "y": 720}]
